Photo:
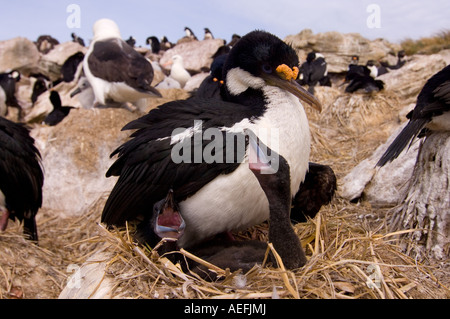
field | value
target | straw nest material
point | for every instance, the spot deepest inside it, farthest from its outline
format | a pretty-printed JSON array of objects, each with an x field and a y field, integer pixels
[
  {"x": 351, "y": 253},
  {"x": 350, "y": 256}
]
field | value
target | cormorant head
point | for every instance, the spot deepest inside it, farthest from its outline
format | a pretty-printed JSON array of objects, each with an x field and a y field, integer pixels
[{"x": 261, "y": 59}]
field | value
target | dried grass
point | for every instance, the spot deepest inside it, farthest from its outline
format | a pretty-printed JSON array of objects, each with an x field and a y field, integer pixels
[
  {"x": 427, "y": 45},
  {"x": 351, "y": 252},
  {"x": 350, "y": 256}
]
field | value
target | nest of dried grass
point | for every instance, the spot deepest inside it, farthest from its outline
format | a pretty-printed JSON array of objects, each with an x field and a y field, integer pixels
[
  {"x": 351, "y": 251},
  {"x": 350, "y": 257}
]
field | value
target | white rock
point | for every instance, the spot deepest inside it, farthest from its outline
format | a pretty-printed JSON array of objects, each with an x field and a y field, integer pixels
[
  {"x": 75, "y": 157},
  {"x": 408, "y": 81},
  {"x": 197, "y": 55},
  {"x": 19, "y": 54},
  {"x": 50, "y": 64},
  {"x": 338, "y": 48},
  {"x": 383, "y": 186}
]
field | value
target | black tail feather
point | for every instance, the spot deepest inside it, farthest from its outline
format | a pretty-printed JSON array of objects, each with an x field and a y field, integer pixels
[
  {"x": 406, "y": 136},
  {"x": 30, "y": 228}
]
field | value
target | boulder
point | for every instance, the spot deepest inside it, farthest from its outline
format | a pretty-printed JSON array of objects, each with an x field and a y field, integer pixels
[
  {"x": 24, "y": 90},
  {"x": 19, "y": 54},
  {"x": 75, "y": 157},
  {"x": 158, "y": 74},
  {"x": 338, "y": 48},
  {"x": 385, "y": 186},
  {"x": 381, "y": 187},
  {"x": 43, "y": 106},
  {"x": 196, "y": 54},
  {"x": 50, "y": 64},
  {"x": 408, "y": 81}
]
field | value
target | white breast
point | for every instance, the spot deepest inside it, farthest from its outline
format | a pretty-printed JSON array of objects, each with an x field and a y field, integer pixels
[
  {"x": 100, "y": 87},
  {"x": 179, "y": 73},
  {"x": 236, "y": 201}
]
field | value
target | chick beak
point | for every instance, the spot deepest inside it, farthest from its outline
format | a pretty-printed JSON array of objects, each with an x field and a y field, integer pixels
[
  {"x": 169, "y": 222},
  {"x": 75, "y": 92}
]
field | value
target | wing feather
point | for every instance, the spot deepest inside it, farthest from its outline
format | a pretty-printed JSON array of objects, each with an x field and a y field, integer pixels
[
  {"x": 115, "y": 61},
  {"x": 145, "y": 167}
]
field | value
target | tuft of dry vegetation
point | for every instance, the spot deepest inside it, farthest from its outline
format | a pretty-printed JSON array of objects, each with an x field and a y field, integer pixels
[
  {"x": 350, "y": 256},
  {"x": 427, "y": 45}
]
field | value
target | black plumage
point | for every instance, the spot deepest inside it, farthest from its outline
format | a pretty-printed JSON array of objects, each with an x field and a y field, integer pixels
[
  {"x": 59, "y": 111},
  {"x": 208, "y": 34},
  {"x": 8, "y": 83},
  {"x": 145, "y": 164},
  {"x": 385, "y": 67},
  {"x": 166, "y": 44},
  {"x": 154, "y": 44},
  {"x": 21, "y": 177},
  {"x": 115, "y": 61},
  {"x": 243, "y": 255},
  {"x": 189, "y": 33},
  {"x": 224, "y": 49},
  {"x": 362, "y": 78},
  {"x": 41, "y": 85},
  {"x": 365, "y": 83},
  {"x": 77, "y": 39},
  {"x": 131, "y": 41},
  {"x": 234, "y": 40},
  {"x": 211, "y": 85},
  {"x": 432, "y": 111},
  {"x": 70, "y": 66},
  {"x": 400, "y": 61},
  {"x": 317, "y": 189},
  {"x": 314, "y": 71},
  {"x": 355, "y": 69}
]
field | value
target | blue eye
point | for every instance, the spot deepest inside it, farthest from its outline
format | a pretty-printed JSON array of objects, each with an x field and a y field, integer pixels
[{"x": 267, "y": 68}]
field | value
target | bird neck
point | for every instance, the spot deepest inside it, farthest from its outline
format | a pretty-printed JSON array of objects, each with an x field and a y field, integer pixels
[
  {"x": 279, "y": 206},
  {"x": 250, "y": 97},
  {"x": 56, "y": 102},
  {"x": 281, "y": 233}
]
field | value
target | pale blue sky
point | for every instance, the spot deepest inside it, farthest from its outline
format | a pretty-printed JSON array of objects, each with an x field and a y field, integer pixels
[{"x": 398, "y": 19}]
